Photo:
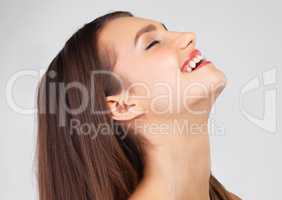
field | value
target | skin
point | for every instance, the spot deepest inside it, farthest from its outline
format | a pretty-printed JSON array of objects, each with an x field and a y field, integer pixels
[{"x": 177, "y": 163}]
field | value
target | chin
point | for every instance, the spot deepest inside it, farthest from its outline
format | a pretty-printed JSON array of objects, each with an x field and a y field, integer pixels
[
  {"x": 212, "y": 81},
  {"x": 216, "y": 80}
]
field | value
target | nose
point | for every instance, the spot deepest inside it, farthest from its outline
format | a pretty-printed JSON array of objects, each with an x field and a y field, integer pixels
[{"x": 186, "y": 40}]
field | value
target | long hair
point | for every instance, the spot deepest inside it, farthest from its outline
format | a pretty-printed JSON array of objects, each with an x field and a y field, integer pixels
[{"x": 100, "y": 165}]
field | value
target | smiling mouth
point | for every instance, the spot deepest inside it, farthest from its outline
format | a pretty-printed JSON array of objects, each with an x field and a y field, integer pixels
[{"x": 194, "y": 61}]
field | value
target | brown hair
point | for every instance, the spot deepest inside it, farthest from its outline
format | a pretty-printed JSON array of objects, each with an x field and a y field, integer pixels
[{"x": 76, "y": 166}]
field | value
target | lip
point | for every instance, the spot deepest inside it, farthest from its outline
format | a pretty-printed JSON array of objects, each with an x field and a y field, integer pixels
[
  {"x": 205, "y": 62},
  {"x": 190, "y": 56}
]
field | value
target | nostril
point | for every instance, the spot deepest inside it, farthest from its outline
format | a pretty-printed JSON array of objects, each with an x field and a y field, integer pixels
[
  {"x": 190, "y": 43},
  {"x": 185, "y": 41}
]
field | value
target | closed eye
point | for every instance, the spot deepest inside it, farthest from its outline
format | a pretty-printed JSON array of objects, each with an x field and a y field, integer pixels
[{"x": 152, "y": 44}]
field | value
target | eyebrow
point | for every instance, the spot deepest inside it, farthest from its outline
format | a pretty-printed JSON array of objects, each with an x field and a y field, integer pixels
[{"x": 145, "y": 29}]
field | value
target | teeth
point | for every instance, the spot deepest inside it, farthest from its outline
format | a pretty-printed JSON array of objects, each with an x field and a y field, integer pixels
[
  {"x": 188, "y": 69},
  {"x": 196, "y": 59},
  {"x": 192, "y": 64},
  {"x": 199, "y": 57}
]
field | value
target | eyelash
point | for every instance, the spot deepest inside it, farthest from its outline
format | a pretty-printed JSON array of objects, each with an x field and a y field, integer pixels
[{"x": 152, "y": 44}]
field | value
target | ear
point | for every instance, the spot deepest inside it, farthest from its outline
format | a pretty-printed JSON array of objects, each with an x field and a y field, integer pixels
[{"x": 121, "y": 109}]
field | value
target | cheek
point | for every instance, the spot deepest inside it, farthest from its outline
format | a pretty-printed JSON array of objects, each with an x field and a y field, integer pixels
[
  {"x": 159, "y": 66},
  {"x": 162, "y": 74},
  {"x": 153, "y": 76},
  {"x": 164, "y": 58},
  {"x": 162, "y": 65}
]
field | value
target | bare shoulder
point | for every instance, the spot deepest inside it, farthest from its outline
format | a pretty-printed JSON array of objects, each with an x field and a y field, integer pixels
[{"x": 233, "y": 196}]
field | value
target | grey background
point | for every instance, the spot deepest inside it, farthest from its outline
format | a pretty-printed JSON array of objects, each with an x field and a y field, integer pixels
[{"x": 242, "y": 37}]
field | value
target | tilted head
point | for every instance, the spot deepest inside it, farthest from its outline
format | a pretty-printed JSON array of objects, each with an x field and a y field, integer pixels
[{"x": 85, "y": 148}]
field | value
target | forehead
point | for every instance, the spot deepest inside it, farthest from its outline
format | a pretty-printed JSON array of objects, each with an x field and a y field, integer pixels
[
  {"x": 118, "y": 34},
  {"x": 124, "y": 27}
]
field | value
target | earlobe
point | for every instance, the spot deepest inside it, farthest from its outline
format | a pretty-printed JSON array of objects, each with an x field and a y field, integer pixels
[
  {"x": 121, "y": 110},
  {"x": 125, "y": 112}
]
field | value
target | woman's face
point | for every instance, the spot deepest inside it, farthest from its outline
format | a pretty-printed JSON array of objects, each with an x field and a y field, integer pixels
[{"x": 151, "y": 61}]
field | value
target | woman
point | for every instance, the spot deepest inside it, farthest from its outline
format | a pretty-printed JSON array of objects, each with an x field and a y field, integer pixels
[{"x": 123, "y": 112}]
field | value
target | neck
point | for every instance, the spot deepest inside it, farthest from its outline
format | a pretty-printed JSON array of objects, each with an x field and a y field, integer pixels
[{"x": 177, "y": 165}]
